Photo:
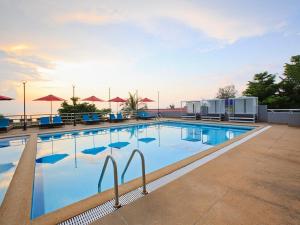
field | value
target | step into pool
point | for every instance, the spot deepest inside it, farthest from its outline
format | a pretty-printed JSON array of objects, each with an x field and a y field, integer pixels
[{"x": 68, "y": 165}]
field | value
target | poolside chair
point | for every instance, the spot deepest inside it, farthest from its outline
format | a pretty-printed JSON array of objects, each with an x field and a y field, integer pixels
[
  {"x": 86, "y": 119},
  {"x": 120, "y": 117},
  {"x": 57, "y": 121},
  {"x": 45, "y": 122},
  {"x": 5, "y": 124},
  {"x": 95, "y": 118},
  {"x": 112, "y": 118},
  {"x": 144, "y": 115}
]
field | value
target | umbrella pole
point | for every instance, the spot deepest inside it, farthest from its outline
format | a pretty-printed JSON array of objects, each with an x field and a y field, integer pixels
[{"x": 51, "y": 111}]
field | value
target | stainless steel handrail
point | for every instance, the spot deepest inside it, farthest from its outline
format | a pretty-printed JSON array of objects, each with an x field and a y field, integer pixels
[
  {"x": 143, "y": 169},
  {"x": 116, "y": 185}
]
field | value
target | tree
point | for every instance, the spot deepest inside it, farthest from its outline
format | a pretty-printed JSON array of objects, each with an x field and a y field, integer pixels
[
  {"x": 289, "y": 87},
  {"x": 264, "y": 87},
  {"x": 76, "y": 107},
  {"x": 227, "y": 92},
  {"x": 131, "y": 103}
]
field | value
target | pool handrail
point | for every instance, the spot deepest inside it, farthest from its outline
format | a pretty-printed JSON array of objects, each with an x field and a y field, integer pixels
[
  {"x": 143, "y": 168},
  {"x": 116, "y": 185}
]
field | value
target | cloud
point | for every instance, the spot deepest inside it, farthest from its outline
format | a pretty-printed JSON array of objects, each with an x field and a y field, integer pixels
[
  {"x": 16, "y": 66},
  {"x": 220, "y": 23}
]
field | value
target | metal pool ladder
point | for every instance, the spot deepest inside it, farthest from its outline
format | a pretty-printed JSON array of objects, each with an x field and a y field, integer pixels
[
  {"x": 143, "y": 168},
  {"x": 116, "y": 185}
]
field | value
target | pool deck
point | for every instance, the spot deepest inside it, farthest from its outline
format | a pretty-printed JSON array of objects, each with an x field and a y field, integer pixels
[{"x": 258, "y": 182}]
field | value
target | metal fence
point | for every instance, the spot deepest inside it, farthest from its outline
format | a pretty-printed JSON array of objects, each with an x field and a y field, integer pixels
[{"x": 284, "y": 116}]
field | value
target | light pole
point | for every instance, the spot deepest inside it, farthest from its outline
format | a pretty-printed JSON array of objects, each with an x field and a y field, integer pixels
[
  {"x": 158, "y": 103},
  {"x": 24, "y": 103},
  {"x": 74, "y": 119},
  {"x": 137, "y": 105}
]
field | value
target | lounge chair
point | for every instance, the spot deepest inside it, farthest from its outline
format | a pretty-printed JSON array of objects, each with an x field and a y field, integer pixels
[
  {"x": 95, "y": 118},
  {"x": 5, "y": 124},
  {"x": 86, "y": 119},
  {"x": 145, "y": 115},
  {"x": 120, "y": 117},
  {"x": 45, "y": 122},
  {"x": 57, "y": 121},
  {"x": 112, "y": 118},
  {"x": 189, "y": 116}
]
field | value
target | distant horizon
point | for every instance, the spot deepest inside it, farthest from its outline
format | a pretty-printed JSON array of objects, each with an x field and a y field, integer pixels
[{"x": 186, "y": 50}]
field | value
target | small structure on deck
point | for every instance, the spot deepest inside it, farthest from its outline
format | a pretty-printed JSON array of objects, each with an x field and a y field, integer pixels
[
  {"x": 243, "y": 109},
  {"x": 215, "y": 109}
]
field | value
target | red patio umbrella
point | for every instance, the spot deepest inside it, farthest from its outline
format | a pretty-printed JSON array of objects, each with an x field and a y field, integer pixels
[
  {"x": 5, "y": 98},
  {"x": 49, "y": 98},
  {"x": 146, "y": 100},
  {"x": 118, "y": 100},
  {"x": 93, "y": 99}
]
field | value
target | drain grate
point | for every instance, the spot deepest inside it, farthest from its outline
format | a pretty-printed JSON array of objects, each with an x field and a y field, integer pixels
[{"x": 104, "y": 209}]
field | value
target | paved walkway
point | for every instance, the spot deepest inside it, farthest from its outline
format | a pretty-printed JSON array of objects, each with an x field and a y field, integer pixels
[{"x": 257, "y": 182}]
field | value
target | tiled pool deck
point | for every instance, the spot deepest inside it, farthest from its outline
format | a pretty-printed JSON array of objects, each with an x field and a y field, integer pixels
[{"x": 257, "y": 182}]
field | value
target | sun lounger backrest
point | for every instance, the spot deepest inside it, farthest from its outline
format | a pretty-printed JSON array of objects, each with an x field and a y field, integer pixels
[
  {"x": 57, "y": 119},
  {"x": 85, "y": 117},
  {"x": 4, "y": 122},
  {"x": 95, "y": 117},
  {"x": 112, "y": 116},
  {"x": 119, "y": 116},
  {"x": 45, "y": 120}
]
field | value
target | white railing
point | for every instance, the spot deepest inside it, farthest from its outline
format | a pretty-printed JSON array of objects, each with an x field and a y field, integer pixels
[
  {"x": 284, "y": 110},
  {"x": 68, "y": 118}
]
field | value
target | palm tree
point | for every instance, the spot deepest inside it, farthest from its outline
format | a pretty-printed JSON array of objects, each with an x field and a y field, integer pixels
[{"x": 131, "y": 103}]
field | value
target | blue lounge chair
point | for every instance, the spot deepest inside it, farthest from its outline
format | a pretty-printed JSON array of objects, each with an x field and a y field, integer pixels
[
  {"x": 5, "y": 124},
  {"x": 86, "y": 119},
  {"x": 144, "y": 115},
  {"x": 120, "y": 117},
  {"x": 95, "y": 118},
  {"x": 112, "y": 118},
  {"x": 45, "y": 122},
  {"x": 57, "y": 121}
]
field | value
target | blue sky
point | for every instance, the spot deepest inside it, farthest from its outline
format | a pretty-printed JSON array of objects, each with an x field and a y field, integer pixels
[{"x": 184, "y": 49}]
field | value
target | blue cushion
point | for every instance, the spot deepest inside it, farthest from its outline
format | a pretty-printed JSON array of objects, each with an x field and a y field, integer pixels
[
  {"x": 57, "y": 120},
  {"x": 85, "y": 117},
  {"x": 119, "y": 116},
  {"x": 95, "y": 117},
  {"x": 44, "y": 120},
  {"x": 4, "y": 122},
  {"x": 112, "y": 116}
]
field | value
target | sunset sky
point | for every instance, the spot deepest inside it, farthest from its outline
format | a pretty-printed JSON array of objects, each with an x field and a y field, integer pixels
[{"x": 184, "y": 49}]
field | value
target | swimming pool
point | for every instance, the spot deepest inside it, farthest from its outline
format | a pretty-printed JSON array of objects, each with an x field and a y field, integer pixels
[
  {"x": 68, "y": 165},
  {"x": 10, "y": 152}
]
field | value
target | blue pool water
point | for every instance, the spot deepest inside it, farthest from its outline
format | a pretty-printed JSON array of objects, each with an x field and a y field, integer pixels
[
  {"x": 10, "y": 153},
  {"x": 68, "y": 165}
]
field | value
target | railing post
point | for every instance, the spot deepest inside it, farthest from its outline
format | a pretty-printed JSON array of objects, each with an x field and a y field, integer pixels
[
  {"x": 143, "y": 168},
  {"x": 116, "y": 185}
]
